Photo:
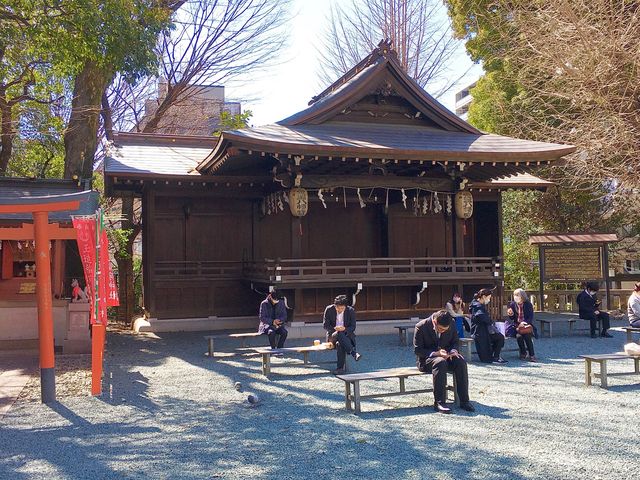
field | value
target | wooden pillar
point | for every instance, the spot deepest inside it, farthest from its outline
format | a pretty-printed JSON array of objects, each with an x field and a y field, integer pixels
[
  {"x": 541, "y": 269},
  {"x": 297, "y": 226},
  {"x": 45, "y": 308},
  {"x": 57, "y": 275},
  {"x": 7, "y": 261},
  {"x": 605, "y": 267},
  {"x": 148, "y": 251}
]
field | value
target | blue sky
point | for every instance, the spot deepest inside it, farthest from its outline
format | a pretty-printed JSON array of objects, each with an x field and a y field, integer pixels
[{"x": 287, "y": 88}]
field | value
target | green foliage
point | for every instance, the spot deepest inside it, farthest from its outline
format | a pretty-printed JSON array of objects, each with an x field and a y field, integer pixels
[
  {"x": 233, "y": 122},
  {"x": 518, "y": 221}
]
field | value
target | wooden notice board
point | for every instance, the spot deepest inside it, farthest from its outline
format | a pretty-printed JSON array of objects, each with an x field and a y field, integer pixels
[{"x": 575, "y": 263}]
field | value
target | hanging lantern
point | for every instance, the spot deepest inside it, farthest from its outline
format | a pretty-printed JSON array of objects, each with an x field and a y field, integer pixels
[
  {"x": 298, "y": 201},
  {"x": 464, "y": 204}
]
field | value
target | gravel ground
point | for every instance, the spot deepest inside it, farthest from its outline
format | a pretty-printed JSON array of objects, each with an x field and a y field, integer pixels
[{"x": 170, "y": 412}]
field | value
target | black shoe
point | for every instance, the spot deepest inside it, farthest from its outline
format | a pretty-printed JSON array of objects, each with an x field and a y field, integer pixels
[
  {"x": 356, "y": 356},
  {"x": 441, "y": 407},
  {"x": 467, "y": 406},
  {"x": 499, "y": 360},
  {"x": 338, "y": 371},
  {"x": 594, "y": 335},
  {"x": 606, "y": 335}
]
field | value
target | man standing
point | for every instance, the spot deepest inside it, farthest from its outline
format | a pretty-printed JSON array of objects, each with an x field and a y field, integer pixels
[
  {"x": 273, "y": 314},
  {"x": 588, "y": 308},
  {"x": 436, "y": 346},
  {"x": 340, "y": 323}
]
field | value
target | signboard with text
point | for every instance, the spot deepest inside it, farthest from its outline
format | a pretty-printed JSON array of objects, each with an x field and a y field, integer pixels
[{"x": 575, "y": 263}]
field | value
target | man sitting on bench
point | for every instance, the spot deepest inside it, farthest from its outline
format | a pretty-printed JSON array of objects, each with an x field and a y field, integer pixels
[
  {"x": 273, "y": 314},
  {"x": 588, "y": 308},
  {"x": 436, "y": 346},
  {"x": 339, "y": 321}
]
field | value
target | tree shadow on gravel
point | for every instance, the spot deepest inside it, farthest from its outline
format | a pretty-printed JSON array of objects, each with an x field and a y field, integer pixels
[{"x": 68, "y": 448}]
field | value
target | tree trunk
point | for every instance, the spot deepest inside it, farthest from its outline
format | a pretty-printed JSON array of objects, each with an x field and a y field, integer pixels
[
  {"x": 6, "y": 134},
  {"x": 124, "y": 258},
  {"x": 81, "y": 135}
]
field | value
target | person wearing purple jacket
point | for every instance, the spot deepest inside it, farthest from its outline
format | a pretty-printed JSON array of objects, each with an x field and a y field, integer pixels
[{"x": 273, "y": 314}]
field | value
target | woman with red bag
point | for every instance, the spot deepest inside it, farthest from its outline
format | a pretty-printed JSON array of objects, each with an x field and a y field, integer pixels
[{"x": 520, "y": 312}]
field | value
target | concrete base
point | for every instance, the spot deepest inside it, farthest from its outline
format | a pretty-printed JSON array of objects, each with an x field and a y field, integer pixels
[
  {"x": 296, "y": 329},
  {"x": 48, "y": 385}
]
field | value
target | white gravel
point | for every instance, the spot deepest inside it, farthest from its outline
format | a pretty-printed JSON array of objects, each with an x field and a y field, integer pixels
[{"x": 170, "y": 412}]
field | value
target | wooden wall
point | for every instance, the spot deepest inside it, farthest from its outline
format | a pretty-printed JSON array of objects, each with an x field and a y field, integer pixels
[{"x": 182, "y": 227}]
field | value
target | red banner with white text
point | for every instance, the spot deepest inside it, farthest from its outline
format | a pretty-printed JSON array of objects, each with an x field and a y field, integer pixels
[{"x": 86, "y": 238}]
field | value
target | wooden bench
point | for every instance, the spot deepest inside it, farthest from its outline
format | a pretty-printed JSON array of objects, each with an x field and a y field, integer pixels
[
  {"x": 242, "y": 336},
  {"x": 467, "y": 342},
  {"x": 571, "y": 321},
  {"x": 630, "y": 331},
  {"x": 354, "y": 379},
  {"x": 602, "y": 359},
  {"x": 266, "y": 353},
  {"x": 404, "y": 328}
]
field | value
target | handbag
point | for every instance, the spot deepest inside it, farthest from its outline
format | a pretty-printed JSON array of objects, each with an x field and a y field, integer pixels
[{"x": 525, "y": 329}]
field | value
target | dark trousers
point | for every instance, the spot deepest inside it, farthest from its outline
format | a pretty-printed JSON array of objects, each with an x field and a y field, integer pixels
[
  {"x": 272, "y": 332},
  {"x": 344, "y": 344},
  {"x": 526, "y": 339},
  {"x": 439, "y": 367},
  {"x": 604, "y": 322},
  {"x": 497, "y": 342}
]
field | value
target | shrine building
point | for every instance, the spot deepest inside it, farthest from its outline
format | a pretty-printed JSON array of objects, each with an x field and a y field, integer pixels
[{"x": 375, "y": 190}]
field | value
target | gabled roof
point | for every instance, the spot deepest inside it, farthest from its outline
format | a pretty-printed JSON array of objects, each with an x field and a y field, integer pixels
[
  {"x": 376, "y": 111},
  {"x": 379, "y": 71}
]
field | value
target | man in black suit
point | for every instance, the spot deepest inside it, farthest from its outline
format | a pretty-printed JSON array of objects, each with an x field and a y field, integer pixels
[
  {"x": 340, "y": 323},
  {"x": 436, "y": 346},
  {"x": 588, "y": 308}
]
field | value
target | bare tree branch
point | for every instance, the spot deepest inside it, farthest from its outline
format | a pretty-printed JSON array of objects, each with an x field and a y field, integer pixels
[{"x": 418, "y": 29}]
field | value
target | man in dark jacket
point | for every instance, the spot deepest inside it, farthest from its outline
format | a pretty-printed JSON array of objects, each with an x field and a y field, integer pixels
[
  {"x": 339, "y": 321},
  {"x": 436, "y": 346},
  {"x": 588, "y": 307},
  {"x": 273, "y": 314}
]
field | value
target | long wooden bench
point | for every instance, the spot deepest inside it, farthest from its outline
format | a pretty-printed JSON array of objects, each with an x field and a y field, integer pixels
[
  {"x": 603, "y": 375},
  {"x": 266, "y": 353},
  {"x": 242, "y": 336},
  {"x": 570, "y": 320},
  {"x": 353, "y": 380}
]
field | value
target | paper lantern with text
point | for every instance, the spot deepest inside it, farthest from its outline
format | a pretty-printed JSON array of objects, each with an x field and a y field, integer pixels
[
  {"x": 464, "y": 204},
  {"x": 298, "y": 201}
]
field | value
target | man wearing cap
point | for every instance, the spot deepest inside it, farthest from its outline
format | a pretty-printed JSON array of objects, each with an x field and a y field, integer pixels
[
  {"x": 273, "y": 314},
  {"x": 340, "y": 323}
]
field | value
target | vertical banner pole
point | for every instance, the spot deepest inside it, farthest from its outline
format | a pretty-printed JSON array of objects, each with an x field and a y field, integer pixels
[{"x": 98, "y": 329}]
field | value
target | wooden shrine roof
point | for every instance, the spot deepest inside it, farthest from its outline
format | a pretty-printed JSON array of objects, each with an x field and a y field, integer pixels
[
  {"x": 376, "y": 111},
  {"x": 382, "y": 141},
  {"x": 135, "y": 153}
]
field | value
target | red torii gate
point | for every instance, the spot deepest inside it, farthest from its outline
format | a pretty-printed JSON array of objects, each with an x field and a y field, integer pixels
[{"x": 40, "y": 207}]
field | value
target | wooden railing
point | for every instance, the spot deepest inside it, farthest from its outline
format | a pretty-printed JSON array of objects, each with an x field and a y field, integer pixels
[
  {"x": 334, "y": 269},
  {"x": 372, "y": 269},
  {"x": 197, "y": 270},
  {"x": 565, "y": 300}
]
